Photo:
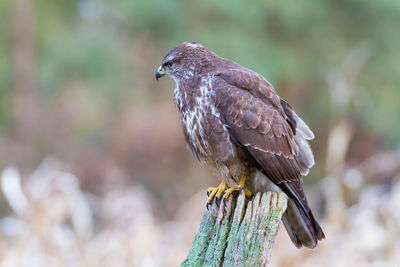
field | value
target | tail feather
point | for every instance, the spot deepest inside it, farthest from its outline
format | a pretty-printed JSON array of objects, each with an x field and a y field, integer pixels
[
  {"x": 298, "y": 219},
  {"x": 302, "y": 228}
]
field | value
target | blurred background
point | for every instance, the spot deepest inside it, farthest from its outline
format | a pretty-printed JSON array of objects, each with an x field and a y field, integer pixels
[{"x": 94, "y": 169}]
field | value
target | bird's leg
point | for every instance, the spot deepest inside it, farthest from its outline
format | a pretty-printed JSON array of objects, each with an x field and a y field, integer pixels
[
  {"x": 239, "y": 188},
  {"x": 215, "y": 193}
]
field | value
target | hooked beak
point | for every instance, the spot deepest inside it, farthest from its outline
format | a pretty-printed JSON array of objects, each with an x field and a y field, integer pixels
[{"x": 160, "y": 72}]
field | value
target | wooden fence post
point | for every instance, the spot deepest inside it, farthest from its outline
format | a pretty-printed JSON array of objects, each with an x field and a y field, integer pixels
[{"x": 240, "y": 233}]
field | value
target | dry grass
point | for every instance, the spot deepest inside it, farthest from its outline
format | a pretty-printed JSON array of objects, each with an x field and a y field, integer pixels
[{"x": 52, "y": 222}]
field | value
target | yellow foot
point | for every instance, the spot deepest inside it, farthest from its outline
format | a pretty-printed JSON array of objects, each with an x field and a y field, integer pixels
[{"x": 215, "y": 193}]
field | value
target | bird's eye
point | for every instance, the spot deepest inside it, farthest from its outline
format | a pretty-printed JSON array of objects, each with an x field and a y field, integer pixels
[{"x": 168, "y": 64}]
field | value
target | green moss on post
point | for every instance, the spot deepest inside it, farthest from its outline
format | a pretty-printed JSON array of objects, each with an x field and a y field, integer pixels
[{"x": 242, "y": 233}]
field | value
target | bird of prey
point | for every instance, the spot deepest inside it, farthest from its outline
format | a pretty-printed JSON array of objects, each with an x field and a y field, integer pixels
[{"x": 234, "y": 121}]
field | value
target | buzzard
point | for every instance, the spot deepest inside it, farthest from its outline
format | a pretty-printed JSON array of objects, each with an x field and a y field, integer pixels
[{"x": 234, "y": 121}]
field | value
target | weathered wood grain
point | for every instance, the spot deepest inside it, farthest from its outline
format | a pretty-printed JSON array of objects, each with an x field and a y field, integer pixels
[{"x": 240, "y": 233}]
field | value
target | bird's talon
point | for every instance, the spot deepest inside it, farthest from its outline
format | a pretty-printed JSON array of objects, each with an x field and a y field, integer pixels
[
  {"x": 223, "y": 192},
  {"x": 216, "y": 193},
  {"x": 248, "y": 194}
]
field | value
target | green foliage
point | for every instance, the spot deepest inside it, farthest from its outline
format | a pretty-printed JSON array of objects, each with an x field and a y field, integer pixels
[
  {"x": 293, "y": 44},
  {"x": 6, "y": 70}
]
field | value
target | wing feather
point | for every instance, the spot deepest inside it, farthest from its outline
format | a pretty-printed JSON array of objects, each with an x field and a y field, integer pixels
[{"x": 264, "y": 123}]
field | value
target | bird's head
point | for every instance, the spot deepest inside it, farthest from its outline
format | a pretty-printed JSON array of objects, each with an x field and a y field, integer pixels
[{"x": 185, "y": 60}]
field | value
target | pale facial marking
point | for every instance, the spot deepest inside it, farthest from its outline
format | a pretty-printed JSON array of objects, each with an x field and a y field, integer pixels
[{"x": 169, "y": 58}]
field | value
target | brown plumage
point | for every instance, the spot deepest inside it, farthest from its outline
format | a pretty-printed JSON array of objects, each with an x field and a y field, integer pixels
[{"x": 234, "y": 120}]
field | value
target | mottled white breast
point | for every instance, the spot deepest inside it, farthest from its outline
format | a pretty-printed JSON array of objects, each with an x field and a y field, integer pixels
[
  {"x": 211, "y": 144},
  {"x": 193, "y": 117}
]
